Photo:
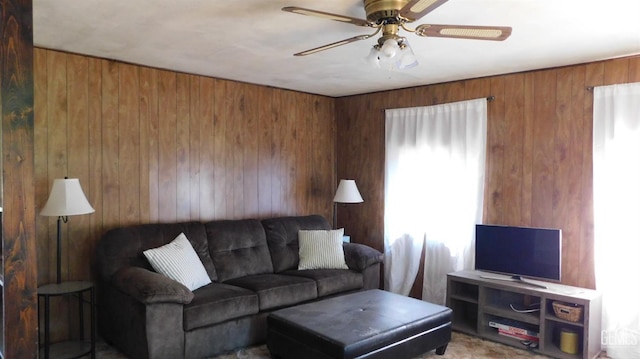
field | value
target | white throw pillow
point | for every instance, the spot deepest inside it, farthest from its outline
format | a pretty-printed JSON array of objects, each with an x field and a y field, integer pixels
[
  {"x": 321, "y": 249},
  {"x": 180, "y": 262}
]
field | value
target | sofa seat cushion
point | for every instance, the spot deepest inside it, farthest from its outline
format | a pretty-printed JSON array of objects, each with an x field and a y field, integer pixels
[
  {"x": 277, "y": 290},
  {"x": 218, "y": 302},
  {"x": 331, "y": 281}
]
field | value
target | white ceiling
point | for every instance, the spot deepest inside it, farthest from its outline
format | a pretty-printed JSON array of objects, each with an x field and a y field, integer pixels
[{"x": 253, "y": 40}]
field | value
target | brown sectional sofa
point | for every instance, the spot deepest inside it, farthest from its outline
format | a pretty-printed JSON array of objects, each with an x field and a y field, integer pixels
[{"x": 253, "y": 268}]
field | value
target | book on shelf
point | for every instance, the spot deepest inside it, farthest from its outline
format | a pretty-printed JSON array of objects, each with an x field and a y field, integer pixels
[
  {"x": 514, "y": 327},
  {"x": 519, "y": 336}
]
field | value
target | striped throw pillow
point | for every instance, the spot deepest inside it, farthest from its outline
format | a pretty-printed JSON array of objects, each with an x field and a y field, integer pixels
[
  {"x": 180, "y": 262},
  {"x": 321, "y": 249}
]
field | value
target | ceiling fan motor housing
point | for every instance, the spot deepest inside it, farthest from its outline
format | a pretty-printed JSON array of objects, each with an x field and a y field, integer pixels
[{"x": 383, "y": 11}]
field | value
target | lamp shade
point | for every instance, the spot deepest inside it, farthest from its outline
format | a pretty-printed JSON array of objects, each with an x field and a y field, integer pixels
[
  {"x": 347, "y": 192},
  {"x": 66, "y": 199}
]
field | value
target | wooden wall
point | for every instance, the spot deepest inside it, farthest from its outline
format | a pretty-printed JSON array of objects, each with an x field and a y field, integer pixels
[
  {"x": 152, "y": 146},
  {"x": 158, "y": 146},
  {"x": 539, "y": 168}
]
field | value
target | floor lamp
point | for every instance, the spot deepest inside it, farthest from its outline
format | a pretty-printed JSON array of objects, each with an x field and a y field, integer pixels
[
  {"x": 347, "y": 192},
  {"x": 66, "y": 199}
]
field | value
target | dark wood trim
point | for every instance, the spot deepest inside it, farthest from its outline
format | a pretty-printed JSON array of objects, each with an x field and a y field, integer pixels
[{"x": 18, "y": 229}]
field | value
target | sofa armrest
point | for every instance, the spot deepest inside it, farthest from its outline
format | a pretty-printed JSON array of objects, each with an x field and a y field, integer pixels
[
  {"x": 359, "y": 256},
  {"x": 150, "y": 287}
]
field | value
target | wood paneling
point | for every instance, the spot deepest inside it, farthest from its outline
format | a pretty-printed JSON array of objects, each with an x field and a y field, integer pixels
[
  {"x": 157, "y": 146},
  {"x": 18, "y": 315},
  {"x": 539, "y": 149}
]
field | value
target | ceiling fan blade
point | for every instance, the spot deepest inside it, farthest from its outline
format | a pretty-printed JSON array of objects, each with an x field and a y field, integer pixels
[
  {"x": 327, "y": 15},
  {"x": 332, "y": 45},
  {"x": 416, "y": 9},
  {"x": 495, "y": 33}
]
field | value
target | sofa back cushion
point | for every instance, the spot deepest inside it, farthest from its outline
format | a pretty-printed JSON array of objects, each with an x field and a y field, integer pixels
[
  {"x": 282, "y": 236},
  {"x": 238, "y": 248},
  {"x": 123, "y": 247}
]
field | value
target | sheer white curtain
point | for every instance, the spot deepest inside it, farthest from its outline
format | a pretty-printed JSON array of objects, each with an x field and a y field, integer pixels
[
  {"x": 434, "y": 185},
  {"x": 616, "y": 199}
]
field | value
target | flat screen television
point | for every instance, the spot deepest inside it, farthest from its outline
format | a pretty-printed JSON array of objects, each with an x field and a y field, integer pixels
[{"x": 519, "y": 251}]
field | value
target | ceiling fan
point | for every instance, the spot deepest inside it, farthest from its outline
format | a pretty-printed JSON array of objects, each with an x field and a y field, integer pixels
[{"x": 388, "y": 16}]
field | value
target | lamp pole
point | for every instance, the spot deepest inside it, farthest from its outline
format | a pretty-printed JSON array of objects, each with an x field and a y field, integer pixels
[{"x": 59, "y": 249}]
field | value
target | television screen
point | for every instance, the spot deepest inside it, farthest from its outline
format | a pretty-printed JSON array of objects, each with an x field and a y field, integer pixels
[{"x": 519, "y": 251}]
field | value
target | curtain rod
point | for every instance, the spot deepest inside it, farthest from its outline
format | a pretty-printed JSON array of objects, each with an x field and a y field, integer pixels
[{"x": 489, "y": 99}]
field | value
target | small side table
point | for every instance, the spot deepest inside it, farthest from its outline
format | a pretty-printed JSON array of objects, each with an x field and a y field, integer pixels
[{"x": 76, "y": 348}]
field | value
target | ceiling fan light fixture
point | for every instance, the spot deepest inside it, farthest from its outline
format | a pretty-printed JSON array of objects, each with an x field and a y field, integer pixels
[
  {"x": 407, "y": 59},
  {"x": 372, "y": 59},
  {"x": 390, "y": 48},
  {"x": 393, "y": 54}
]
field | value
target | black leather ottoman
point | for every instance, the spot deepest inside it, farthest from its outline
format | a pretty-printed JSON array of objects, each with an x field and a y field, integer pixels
[{"x": 369, "y": 324}]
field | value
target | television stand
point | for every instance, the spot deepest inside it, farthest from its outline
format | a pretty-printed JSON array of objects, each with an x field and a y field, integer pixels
[
  {"x": 514, "y": 278},
  {"x": 481, "y": 306}
]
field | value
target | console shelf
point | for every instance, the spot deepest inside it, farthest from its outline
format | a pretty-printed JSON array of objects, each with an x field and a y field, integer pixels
[{"x": 480, "y": 304}]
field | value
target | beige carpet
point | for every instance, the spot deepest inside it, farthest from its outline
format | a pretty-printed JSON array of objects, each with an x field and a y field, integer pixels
[{"x": 461, "y": 347}]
